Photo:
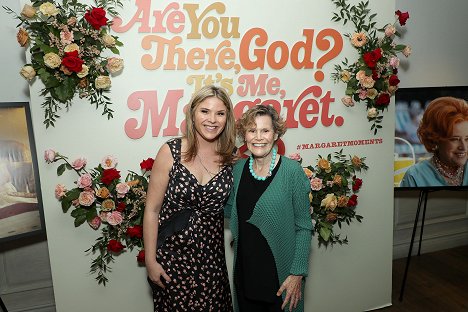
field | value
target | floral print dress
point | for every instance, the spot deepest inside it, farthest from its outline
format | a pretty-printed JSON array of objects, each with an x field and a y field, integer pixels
[{"x": 193, "y": 256}]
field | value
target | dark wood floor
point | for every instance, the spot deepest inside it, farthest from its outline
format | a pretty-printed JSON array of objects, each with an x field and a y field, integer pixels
[{"x": 436, "y": 282}]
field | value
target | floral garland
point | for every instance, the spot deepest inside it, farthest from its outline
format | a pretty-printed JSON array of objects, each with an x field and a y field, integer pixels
[
  {"x": 333, "y": 198},
  {"x": 101, "y": 198},
  {"x": 373, "y": 78},
  {"x": 67, "y": 42}
]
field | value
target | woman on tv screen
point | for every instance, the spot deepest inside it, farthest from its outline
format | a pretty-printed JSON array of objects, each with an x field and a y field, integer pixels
[{"x": 444, "y": 132}]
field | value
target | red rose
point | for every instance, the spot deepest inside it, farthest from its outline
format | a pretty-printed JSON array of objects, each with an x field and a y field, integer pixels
[
  {"x": 135, "y": 231},
  {"x": 352, "y": 201},
  {"x": 115, "y": 246},
  {"x": 357, "y": 183},
  {"x": 147, "y": 164},
  {"x": 375, "y": 75},
  {"x": 383, "y": 99},
  {"x": 402, "y": 17},
  {"x": 121, "y": 207},
  {"x": 72, "y": 62},
  {"x": 110, "y": 175},
  {"x": 96, "y": 17},
  {"x": 371, "y": 58},
  {"x": 393, "y": 80},
  {"x": 141, "y": 256}
]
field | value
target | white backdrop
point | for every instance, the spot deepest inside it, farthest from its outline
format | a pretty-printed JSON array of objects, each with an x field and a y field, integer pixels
[{"x": 355, "y": 277}]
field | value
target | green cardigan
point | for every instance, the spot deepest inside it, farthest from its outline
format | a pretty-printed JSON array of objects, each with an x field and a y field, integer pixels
[{"x": 282, "y": 214}]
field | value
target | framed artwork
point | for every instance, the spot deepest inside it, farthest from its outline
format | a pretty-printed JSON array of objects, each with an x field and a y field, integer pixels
[
  {"x": 21, "y": 211},
  {"x": 410, "y": 104}
]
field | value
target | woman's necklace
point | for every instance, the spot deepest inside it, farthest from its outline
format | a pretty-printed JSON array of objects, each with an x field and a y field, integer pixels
[
  {"x": 451, "y": 178},
  {"x": 206, "y": 169},
  {"x": 272, "y": 166}
]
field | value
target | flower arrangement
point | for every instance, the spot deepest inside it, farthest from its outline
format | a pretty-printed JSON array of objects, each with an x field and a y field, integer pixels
[
  {"x": 102, "y": 200},
  {"x": 67, "y": 42},
  {"x": 373, "y": 78},
  {"x": 333, "y": 198}
]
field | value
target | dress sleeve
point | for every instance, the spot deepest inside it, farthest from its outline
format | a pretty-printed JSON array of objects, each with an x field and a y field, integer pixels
[{"x": 303, "y": 222}]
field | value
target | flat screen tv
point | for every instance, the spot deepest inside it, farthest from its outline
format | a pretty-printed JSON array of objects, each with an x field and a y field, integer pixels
[{"x": 410, "y": 104}]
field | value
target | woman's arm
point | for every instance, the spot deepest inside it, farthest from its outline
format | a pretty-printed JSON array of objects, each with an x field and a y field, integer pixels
[{"x": 156, "y": 189}]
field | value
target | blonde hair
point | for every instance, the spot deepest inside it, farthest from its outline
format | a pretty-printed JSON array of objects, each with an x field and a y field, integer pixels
[{"x": 226, "y": 141}]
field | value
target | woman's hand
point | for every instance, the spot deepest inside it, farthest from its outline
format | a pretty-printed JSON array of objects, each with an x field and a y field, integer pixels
[
  {"x": 155, "y": 271},
  {"x": 292, "y": 285}
]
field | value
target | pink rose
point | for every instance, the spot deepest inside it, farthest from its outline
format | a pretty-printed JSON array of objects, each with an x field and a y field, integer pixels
[
  {"x": 60, "y": 191},
  {"x": 79, "y": 163},
  {"x": 316, "y": 184},
  {"x": 95, "y": 223},
  {"x": 362, "y": 94},
  {"x": 49, "y": 156},
  {"x": 86, "y": 180},
  {"x": 103, "y": 216},
  {"x": 86, "y": 198},
  {"x": 394, "y": 62},
  {"x": 109, "y": 162},
  {"x": 390, "y": 30},
  {"x": 348, "y": 101},
  {"x": 296, "y": 156},
  {"x": 66, "y": 36},
  {"x": 122, "y": 189},
  {"x": 114, "y": 218}
]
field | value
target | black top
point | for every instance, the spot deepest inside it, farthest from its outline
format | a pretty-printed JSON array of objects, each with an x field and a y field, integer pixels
[{"x": 255, "y": 266}]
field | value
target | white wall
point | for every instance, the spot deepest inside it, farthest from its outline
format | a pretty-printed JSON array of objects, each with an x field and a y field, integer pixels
[{"x": 437, "y": 32}]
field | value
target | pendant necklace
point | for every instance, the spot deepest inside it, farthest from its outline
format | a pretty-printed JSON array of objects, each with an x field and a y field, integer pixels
[
  {"x": 270, "y": 170},
  {"x": 206, "y": 169}
]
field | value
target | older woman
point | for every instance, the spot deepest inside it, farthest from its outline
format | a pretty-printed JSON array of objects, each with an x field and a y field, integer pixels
[
  {"x": 269, "y": 218},
  {"x": 444, "y": 132}
]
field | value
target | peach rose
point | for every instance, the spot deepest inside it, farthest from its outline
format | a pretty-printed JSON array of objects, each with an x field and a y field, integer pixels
[
  {"x": 358, "y": 39},
  {"x": 107, "y": 205},
  {"x": 390, "y": 30},
  {"x": 109, "y": 162},
  {"x": 66, "y": 36},
  {"x": 356, "y": 161},
  {"x": 347, "y": 101},
  {"x": 316, "y": 184},
  {"x": 372, "y": 93},
  {"x": 337, "y": 179},
  {"x": 103, "y": 192},
  {"x": 28, "y": 11},
  {"x": 360, "y": 75},
  {"x": 331, "y": 217},
  {"x": 86, "y": 198},
  {"x": 372, "y": 112},
  {"x": 114, "y": 64},
  {"x": 342, "y": 201},
  {"x": 324, "y": 164},
  {"x": 345, "y": 76},
  {"x": 367, "y": 82},
  {"x": 308, "y": 172},
  {"x": 22, "y": 37},
  {"x": 407, "y": 51}
]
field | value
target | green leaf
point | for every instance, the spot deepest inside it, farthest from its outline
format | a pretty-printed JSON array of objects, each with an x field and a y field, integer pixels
[
  {"x": 78, "y": 212},
  {"x": 66, "y": 204},
  {"x": 80, "y": 220},
  {"x": 325, "y": 233},
  {"x": 61, "y": 169}
]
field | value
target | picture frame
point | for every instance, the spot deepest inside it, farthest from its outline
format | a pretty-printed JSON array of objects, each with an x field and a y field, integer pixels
[
  {"x": 410, "y": 104},
  {"x": 21, "y": 209}
]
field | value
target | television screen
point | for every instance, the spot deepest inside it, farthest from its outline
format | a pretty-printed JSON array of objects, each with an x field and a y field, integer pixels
[{"x": 410, "y": 106}]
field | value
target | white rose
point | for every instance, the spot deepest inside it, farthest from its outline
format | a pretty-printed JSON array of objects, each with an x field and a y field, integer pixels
[
  {"x": 52, "y": 60},
  {"x": 28, "y": 72},
  {"x": 102, "y": 82},
  {"x": 108, "y": 40},
  {"x": 372, "y": 112},
  {"x": 48, "y": 9},
  {"x": 114, "y": 64},
  {"x": 347, "y": 101},
  {"x": 84, "y": 71},
  {"x": 72, "y": 47}
]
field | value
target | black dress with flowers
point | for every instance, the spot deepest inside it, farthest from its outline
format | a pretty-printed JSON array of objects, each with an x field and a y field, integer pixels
[{"x": 191, "y": 241}]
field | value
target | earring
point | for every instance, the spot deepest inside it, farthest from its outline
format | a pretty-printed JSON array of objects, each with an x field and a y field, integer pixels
[{"x": 435, "y": 148}]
